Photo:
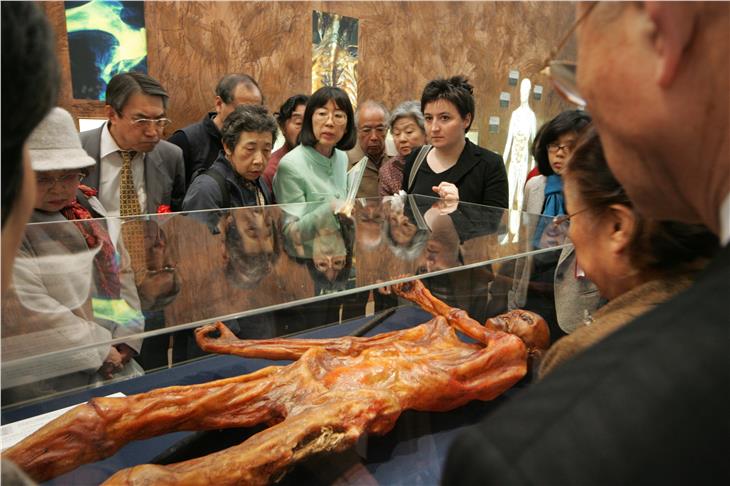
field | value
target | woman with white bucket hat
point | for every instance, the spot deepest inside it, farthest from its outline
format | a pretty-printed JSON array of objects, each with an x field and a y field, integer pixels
[{"x": 73, "y": 285}]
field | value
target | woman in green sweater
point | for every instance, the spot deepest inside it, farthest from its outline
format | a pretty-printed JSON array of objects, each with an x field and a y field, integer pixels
[{"x": 316, "y": 170}]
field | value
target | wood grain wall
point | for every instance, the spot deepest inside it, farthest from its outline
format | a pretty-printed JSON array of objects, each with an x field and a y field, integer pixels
[{"x": 402, "y": 46}]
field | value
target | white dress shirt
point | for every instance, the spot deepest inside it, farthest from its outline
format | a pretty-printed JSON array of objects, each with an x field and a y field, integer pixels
[{"x": 111, "y": 174}]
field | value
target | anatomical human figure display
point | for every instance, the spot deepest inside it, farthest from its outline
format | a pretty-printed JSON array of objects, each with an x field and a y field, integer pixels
[
  {"x": 521, "y": 134},
  {"x": 335, "y": 391}
]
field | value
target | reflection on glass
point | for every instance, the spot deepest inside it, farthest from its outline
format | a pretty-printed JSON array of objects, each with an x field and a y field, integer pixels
[
  {"x": 251, "y": 246},
  {"x": 156, "y": 277},
  {"x": 254, "y": 260}
]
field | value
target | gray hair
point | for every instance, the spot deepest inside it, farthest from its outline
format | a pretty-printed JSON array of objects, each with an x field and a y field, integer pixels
[
  {"x": 410, "y": 109},
  {"x": 247, "y": 118},
  {"x": 372, "y": 104},
  {"x": 124, "y": 85}
]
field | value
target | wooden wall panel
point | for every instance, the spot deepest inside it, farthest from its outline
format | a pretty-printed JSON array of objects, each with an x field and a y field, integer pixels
[{"x": 402, "y": 46}]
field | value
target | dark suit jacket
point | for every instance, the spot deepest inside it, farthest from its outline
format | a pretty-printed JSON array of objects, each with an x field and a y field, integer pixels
[
  {"x": 647, "y": 405},
  {"x": 479, "y": 174},
  {"x": 164, "y": 171}
]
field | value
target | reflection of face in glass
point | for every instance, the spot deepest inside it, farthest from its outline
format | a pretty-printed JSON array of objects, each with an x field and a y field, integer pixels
[
  {"x": 439, "y": 255},
  {"x": 329, "y": 254},
  {"x": 251, "y": 246},
  {"x": 442, "y": 249},
  {"x": 369, "y": 218},
  {"x": 257, "y": 231},
  {"x": 553, "y": 235},
  {"x": 157, "y": 284},
  {"x": 402, "y": 230}
]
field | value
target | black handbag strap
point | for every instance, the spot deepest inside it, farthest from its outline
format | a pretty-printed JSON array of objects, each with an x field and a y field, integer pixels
[
  {"x": 218, "y": 177},
  {"x": 417, "y": 165}
]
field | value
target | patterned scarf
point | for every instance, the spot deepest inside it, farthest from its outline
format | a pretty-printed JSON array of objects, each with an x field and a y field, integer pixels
[{"x": 105, "y": 262}]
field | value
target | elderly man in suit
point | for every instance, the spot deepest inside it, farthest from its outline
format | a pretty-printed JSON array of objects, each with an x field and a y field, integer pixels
[
  {"x": 132, "y": 160},
  {"x": 648, "y": 404}
]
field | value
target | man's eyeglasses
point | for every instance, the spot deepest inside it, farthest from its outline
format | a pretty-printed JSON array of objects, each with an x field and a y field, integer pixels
[
  {"x": 48, "y": 182},
  {"x": 563, "y": 73},
  {"x": 338, "y": 117},
  {"x": 158, "y": 123},
  {"x": 380, "y": 130},
  {"x": 553, "y": 148}
]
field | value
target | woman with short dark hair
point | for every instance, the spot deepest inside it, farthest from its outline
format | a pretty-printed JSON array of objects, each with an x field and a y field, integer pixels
[
  {"x": 316, "y": 170},
  {"x": 452, "y": 167}
]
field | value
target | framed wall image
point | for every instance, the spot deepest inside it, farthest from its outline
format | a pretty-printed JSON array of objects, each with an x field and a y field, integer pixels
[
  {"x": 105, "y": 38},
  {"x": 335, "y": 52}
]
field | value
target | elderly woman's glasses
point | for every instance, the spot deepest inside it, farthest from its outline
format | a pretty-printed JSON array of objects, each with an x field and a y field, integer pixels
[
  {"x": 565, "y": 218},
  {"x": 563, "y": 73},
  {"x": 47, "y": 182}
]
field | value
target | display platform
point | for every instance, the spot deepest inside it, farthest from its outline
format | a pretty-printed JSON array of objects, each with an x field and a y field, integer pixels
[{"x": 412, "y": 453}]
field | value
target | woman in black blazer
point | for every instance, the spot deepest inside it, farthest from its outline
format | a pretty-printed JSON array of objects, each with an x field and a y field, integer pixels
[{"x": 454, "y": 167}]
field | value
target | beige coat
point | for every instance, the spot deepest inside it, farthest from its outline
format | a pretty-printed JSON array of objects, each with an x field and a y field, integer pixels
[{"x": 609, "y": 318}]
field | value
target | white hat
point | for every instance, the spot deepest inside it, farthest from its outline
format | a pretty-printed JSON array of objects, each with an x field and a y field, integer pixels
[{"x": 55, "y": 144}]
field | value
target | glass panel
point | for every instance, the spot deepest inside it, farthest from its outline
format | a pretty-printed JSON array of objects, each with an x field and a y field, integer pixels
[{"x": 99, "y": 300}]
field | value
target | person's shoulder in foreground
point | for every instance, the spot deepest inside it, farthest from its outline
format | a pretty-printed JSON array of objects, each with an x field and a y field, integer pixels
[{"x": 648, "y": 405}]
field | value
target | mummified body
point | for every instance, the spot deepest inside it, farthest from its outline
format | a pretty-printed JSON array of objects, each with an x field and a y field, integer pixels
[{"x": 335, "y": 391}]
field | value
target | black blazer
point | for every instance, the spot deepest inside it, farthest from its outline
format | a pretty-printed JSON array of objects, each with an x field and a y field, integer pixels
[
  {"x": 479, "y": 174},
  {"x": 647, "y": 405}
]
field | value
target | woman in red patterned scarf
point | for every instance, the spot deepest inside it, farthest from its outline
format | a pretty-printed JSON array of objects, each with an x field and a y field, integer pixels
[{"x": 73, "y": 286}]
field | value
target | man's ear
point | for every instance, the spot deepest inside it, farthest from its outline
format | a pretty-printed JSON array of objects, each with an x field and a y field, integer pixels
[
  {"x": 674, "y": 25},
  {"x": 109, "y": 112},
  {"x": 623, "y": 226},
  {"x": 218, "y": 104}
]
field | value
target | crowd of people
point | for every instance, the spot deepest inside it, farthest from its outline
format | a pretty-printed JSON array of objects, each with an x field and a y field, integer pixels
[{"x": 634, "y": 389}]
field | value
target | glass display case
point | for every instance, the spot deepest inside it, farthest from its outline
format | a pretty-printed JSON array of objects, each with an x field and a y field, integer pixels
[{"x": 108, "y": 306}]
